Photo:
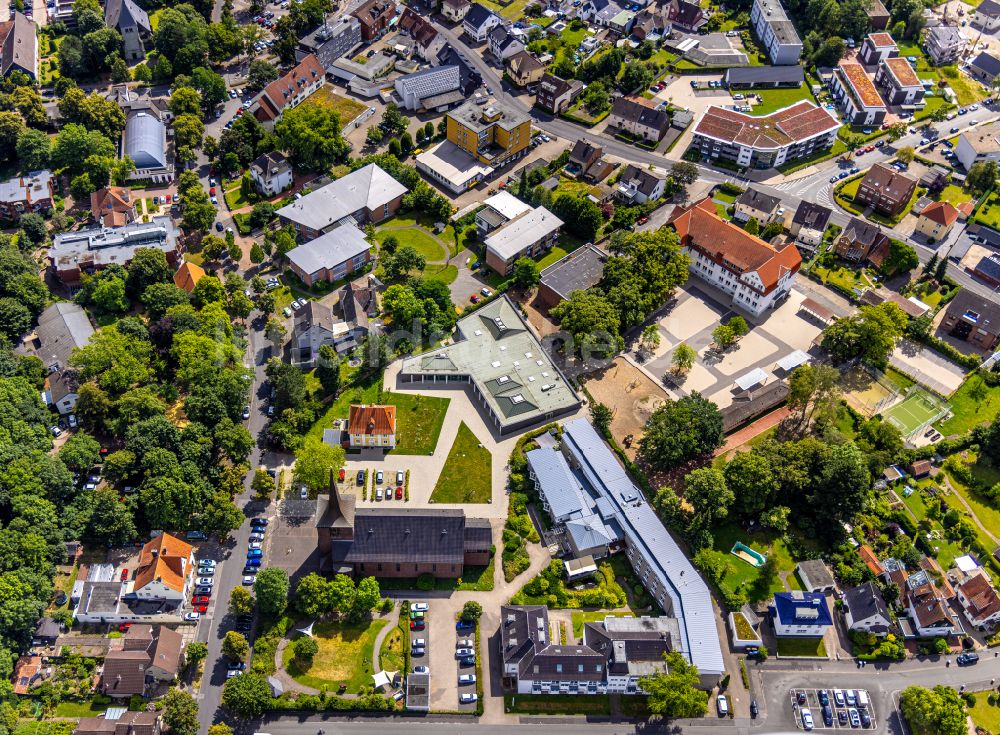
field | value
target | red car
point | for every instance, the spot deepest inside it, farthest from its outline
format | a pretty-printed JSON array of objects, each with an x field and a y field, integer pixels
[
  {"x": 200, "y": 600},
  {"x": 123, "y": 628},
  {"x": 341, "y": 475},
  {"x": 168, "y": 199},
  {"x": 124, "y": 574},
  {"x": 201, "y": 608},
  {"x": 417, "y": 625},
  {"x": 474, "y": 298},
  {"x": 212, "y": 191},
  {"x": 642, "y": 220},
  {"x": 399, "y": 492}
]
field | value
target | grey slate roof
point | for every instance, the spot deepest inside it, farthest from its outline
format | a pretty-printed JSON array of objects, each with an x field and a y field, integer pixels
[
  {"x": 561, "y": 490},
  {"x": 423, "y": 535},
  {"x": 62, "y": 327},
  {"x": 575, "y": 271},
  {"x": 123, "y": 14},
  {"x": 19, "y": 44},
  {"x": 764, "y": 75},
  {"x": 646, "y": 179},
  {"x": 989, "y": 8},
  {"x": 817, "y": 573},
  {"x": 810, "y": 215},
  {"x": 865, "y": 601},
  {"x": 369, "y": 187},
  {"x": 330, "y": 249},
  {"x": 989, "y": 266},
  {"x": 988, "y": 63},
  {"x": 758, "y": 200},
  {"x": 477, "y": 15}
]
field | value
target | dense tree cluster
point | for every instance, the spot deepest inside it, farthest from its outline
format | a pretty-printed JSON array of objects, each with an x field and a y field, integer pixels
[
  {"x": 937, "y": 711},
  {"x": 315, "y": 596},
  {"x": 681, "y": 430},
  {"x": 870, "y": 335}
]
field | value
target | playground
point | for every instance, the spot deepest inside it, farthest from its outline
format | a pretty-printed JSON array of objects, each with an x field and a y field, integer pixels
[
  {"x": 917, "y": 411},
  {"x": 631, "y": 394}
]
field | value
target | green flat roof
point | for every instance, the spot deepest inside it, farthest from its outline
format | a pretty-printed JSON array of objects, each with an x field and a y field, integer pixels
[{"x": 500, "y": 354}]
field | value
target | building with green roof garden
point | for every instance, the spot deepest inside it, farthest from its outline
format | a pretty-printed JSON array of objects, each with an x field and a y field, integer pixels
[{"x": 496, "y": 352}]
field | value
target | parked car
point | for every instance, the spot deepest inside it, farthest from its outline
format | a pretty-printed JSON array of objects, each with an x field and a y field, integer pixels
[
  {"x": 754, "y": 710},
  {"x": 466, "y": 679},
  {"x": 485, "y": 292},
  {"x": 258, "y": 522},
  {"x": 418, "y": 606},
  {"x": 378, "y": 494},
  {"x": 842, "y": 717},
  {"x": 361, "y": 477},
  {"x": 465, "y": 643},
  {"x": 254, "y": 554},
  {"x": 201, "y": 608},
  {"x": 256, "y": 537},
  {"x": 853, "y": 715},
  {"x": 827, "y": 715},
  {"x": 192, "y": 616},
  {"x": 417, "y": 625},
  {"x": 824, "y": 697},
  {"x": 203, "y": 590},
  {"x": 379, "y": 477},
  {"x": 206, "y": 581},
  {"x": 967, "y": 659},
  {"x": 468, "y": 698},
  {"x": 467, "y": 661},
  {"x": 254, "y": 563},
  {"x": 421, "y": 670},
  {"x": 254, "y": 545},
  {"x": 462, "y": 652},
  {"x": 722, "y": 705},
  {"x": 464, "y": 625},
  {"x": 207, "y": 563},
  {"x": 807, "y": 719},
  {"x": 200, "y": 600},
  {"x": 417, "y": 651},
  {"x": 399, "y": 492},
  {"x": 246, "y": 412},
  {"x": 248, "y": 580},
  {"x": 866, "y": 719}
]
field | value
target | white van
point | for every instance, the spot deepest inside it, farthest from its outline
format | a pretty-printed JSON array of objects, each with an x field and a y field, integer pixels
[{"x": 862, "y": 697}]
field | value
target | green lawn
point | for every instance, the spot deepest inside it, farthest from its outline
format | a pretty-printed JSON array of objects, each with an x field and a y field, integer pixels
[
  {"x": 346, "y": 108},
  {"x": 722, "y": 196},
  {"x": 720, "y": 209},
  {"x": 989, "y": 213},
  {"x": 446, "y": 273},
  {"x": 741, "y": 574},
  {"x": 984, "y": 714},
  {"x": 801, "y": 647},
  {"x": 79, "y": 709},
  {"x": 933, "y": 104},
  {"x": 391, "y": 656},
  {"x": 419, "y": 240},
  {"x": 567, "y": 244},
  {"x": 821, "y": 155},
  {"x": 776, "y": 99},
  {"x": 972, "y": 404},
  {"x": 987, "y": 514},
  {"x": 842, "y": 276},
  {"x": 954, "y": 194},
  {"x": 345, "y": 656},
  {"x": 591, "y": 616},
  {"x": 467, "y": 476},
  {"x": 418, "y": 417}
]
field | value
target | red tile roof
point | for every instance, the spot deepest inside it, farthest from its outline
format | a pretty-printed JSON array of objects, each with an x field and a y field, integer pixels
[
  {"x": 983, "y": 600},
  {"x": 796, "y": 123},
  {"x": 700, "y": 227},
  {"x": 944, "y": 213},
  {"x": 856, "y": 77},
  {"x": 870, "y": 560},
  {"x": 165, "y": 558},
  {"x": 188, "y": 275},
  {"x": 903, "y": 71},
  {"x": 25, "y": 671},
  {"x": 273, "y": 99},
  {"x": 375, "y": 420}
]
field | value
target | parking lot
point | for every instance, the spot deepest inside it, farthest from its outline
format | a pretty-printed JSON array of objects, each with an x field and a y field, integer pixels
[
  {"x": 847, "y": 709},
  {"x": 442, "y": 638}
]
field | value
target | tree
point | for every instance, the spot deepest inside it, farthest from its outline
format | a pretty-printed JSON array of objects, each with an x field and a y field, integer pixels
[
  {"x": 328, "y": 370},
  {"x": 902, "y": 258},
  {"x": 256, "y": 254},
  {"x": 271, "y": 587},
  {"x": 814, "y": 391},
  {"x": 195, "y": 653},
  {"x": 33, "y": 149},
  {"x": 675, "y": 693},
  {"x": 149, "y": 266},
  {"x": 160, "y": 297},
  {"x": 235, "y": 646},
  {"x": 723, "y": 335},
  {"x": 752, "y": 226},
  {"x": 739, "y": 326},
  {"x": 680, "y": 430},
  {"x": 304, "y": 648},
  {"x": 930, "y": 265},
  {"x": 374, "y": 136},
  {"x": 366, "y": 597},
  {"x": 80, "y": 452},
  {"x": 941, "y": 271},
  {"x": 982, "y": 176},
  {"x": 709, "y": 495},
  {"x": 246, "y": 695},
  {"x": 312, "y": 136},
  {"x": 583, "y": 218},
  {"x": 870, "y": 335},
  {"x": 601, "y": 417},
  {"x": 592, "y": 321},
  {"x": 526, "y": 273},
  {"x": 636, "y": 77},
  {"x": 260, "y": 215},
  {"x": 596, "y": 98},
  {"x": 471, "y": 611},
  {"x": 313, "y": 596},
  {"x": 188, "y": 131},
  {"x": 684, "y": 172},
  {"x": 393, "y": 121},
  {"x": 906, "y": 154},
  {"x": 180, "y": 712},
  {"x": 829, "y": 52},
  {"x": 397, "y": 265},
  {"x": 263, "y": 484},
  {"x": 650, "y": 338},
  {"x": 259, "y": 75},
  {"x": 220, "y": 728},
  {"x": 275, "y": 331},
  {"x": 212, "y": 87},
  {"x": 221, "y": 515},
  {"x": 314, "y": 463},
  {"x": 683, "y": 358},
  {"x": 752, "y": 475},
  {"x": 240, "y": 601},
  {"x": 937, "y": 711}
]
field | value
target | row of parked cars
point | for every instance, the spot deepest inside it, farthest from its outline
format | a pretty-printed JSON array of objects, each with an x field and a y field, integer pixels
[
  {"x": 850, "y": 705},
  {"x": 202, "y": 594},
  {"x": 255, "y": 550}
]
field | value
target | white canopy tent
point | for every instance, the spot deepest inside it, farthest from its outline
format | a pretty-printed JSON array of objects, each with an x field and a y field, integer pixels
[
  {"x": 793, "y": 360},
  {"x": 308, "y": 630},
  {"x": 752, "y": 379},
  {"x": 383, "y": 679}
]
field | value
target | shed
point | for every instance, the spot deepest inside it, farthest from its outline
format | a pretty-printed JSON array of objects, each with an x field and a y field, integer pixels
[
  {"x": 921, "y": 468},
  {"x": 815, "y": 575}
]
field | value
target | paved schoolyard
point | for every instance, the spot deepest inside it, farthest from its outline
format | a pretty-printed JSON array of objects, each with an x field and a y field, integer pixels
[
  {"x": 699, "y": 310},
  {"x": 927, "y": 367}
]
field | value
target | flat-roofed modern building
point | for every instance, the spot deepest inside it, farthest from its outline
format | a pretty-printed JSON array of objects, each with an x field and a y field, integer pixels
[
  {"x": 92, "y": 250},
  {"x": 877, "y": 47},
  {"x": 495, "y": 134},
  {"x": 764, "y": 141},
  {"x": 430, "y": 88},
  {"x": 855, "y": 92},
  {"x": 899, "y": 84},
  {"x": 776, "y": 32},
  {"x": 452, "y": 168},
  {"x": 944, "y": 43},
  {"x": 981, "y": 143},
  {"x": 497, "y": 354}
]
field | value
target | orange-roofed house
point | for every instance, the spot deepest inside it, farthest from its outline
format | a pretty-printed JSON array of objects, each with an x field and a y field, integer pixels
[
  {"x": 27, "y": 673},
  {"x": 165, "y": 570},
  {"x": 289, "y": 91},
  {"x": 871, "y": 561},
  {"x": 188, "y": 275},
  {"x": 756, "y": 274},
  {"x": 936, "y": 220},
  {"x": 372, "y": 426},
  {"x": 979, "y": 601},
  {"x": 856, "y": 95},
  {"x": 113, "y": 206}
]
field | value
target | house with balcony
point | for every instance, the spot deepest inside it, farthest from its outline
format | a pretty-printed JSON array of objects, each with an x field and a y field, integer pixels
[
  {"x": 479, "y": 21},
  {"x": 504, "y": 43},
  {"x": 556, "y": 95},
  {"x": 987, "y": 15},
  {"x": 639, "y": 185},
  {"x": 455, "y": 10},
  {"x": 936, "y": 220},
  {"x": 886, "y": 190},
  {"x": 165, "y": 570},
  {"x": 288, "y": 91},
  {"x": 809, "y": 224},
  {"x": 800, "y": 614},
  {"x": 899, "y": 84},
  {"x": 928, "y": 609},
  {"x": 862, "y": 242},
  {"x": 331, "y": 256},
  {"x": 524, "y": 69},
  {"x": 271, "y": 174},
  {"x": 495, "y": 135},
  {"x": 857, "y": 95},
  {"x": 981, "y": 143},
  {"x": 876, "y": 48},
  {"x": 31, "y": 192},
  {"x": 944, "y": 44},
  {"x": 974, "y": 319},
  {"x": 755, "y": 204},
  {"x": 639, "y": 117},
  {"x": 375, "y": 17},
  {"x": 865, "y": 610}
]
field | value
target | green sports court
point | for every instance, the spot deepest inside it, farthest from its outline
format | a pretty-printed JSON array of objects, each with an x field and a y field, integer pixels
[{"x": 916, "y": 411}]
